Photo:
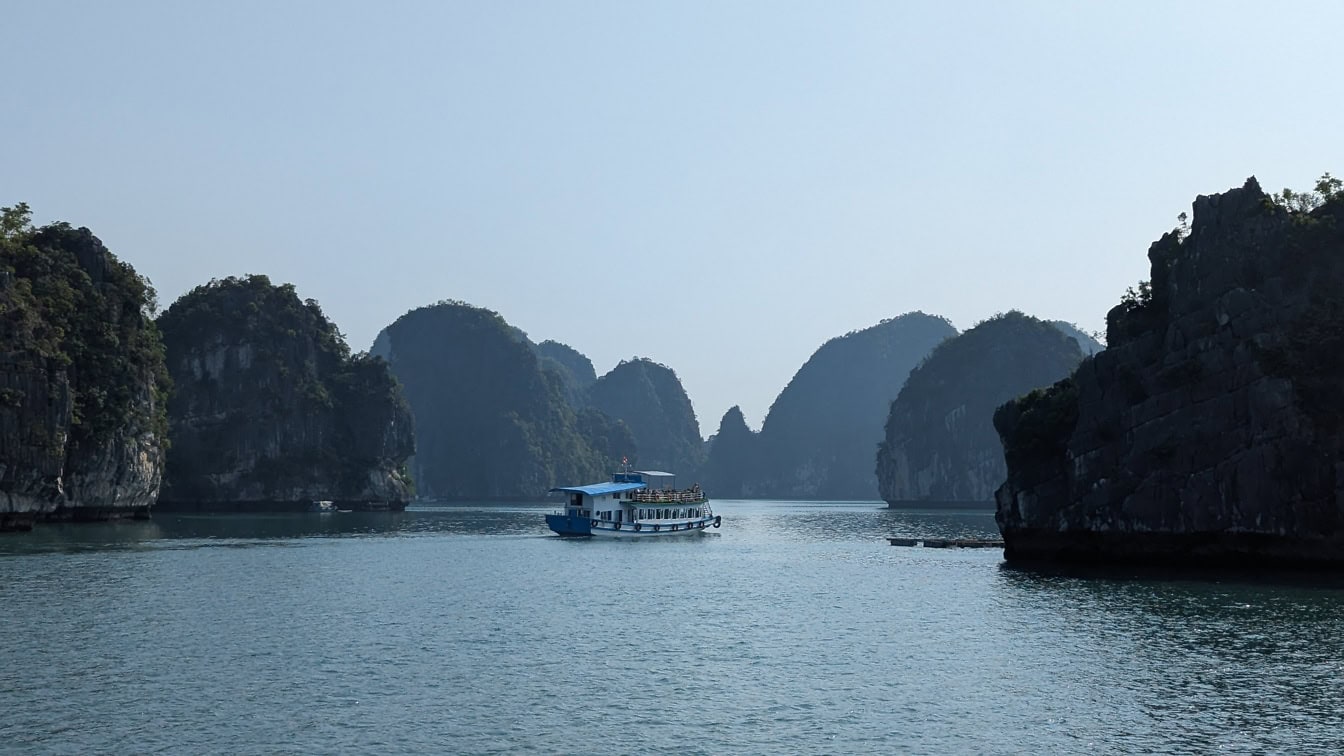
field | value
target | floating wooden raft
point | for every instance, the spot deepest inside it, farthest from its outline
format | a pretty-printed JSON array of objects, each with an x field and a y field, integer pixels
[{"x": 948, "y": 543}]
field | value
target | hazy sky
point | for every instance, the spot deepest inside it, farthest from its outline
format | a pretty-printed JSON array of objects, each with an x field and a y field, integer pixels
[{"x": 718, "y": 186}]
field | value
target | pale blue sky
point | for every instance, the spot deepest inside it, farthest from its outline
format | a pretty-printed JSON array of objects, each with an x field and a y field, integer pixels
[{"x": 719, "y": 186}]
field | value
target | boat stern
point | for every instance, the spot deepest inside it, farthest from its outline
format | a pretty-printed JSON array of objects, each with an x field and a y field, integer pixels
[{"x": 567, "y": 525}]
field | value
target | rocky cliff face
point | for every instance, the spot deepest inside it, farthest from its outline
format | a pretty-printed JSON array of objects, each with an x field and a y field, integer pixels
[
  {"x": 81, "y": 379},
  {"x": 34, "y": 427},
  {"x": 1209, "y": 429},
  {"x": 269, "y": 409},
  {"x": 650, "y": 400},
  {"x": 940, "y": 444}
]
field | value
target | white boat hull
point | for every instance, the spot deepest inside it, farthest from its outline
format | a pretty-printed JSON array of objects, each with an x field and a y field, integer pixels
[{"x": 644, "y": 529}]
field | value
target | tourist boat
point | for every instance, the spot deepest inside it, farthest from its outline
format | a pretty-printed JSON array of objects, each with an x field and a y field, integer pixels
[{"x": 635, "y": 504}]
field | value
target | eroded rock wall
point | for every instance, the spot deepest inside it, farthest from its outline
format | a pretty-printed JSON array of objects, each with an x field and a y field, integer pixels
[
  {"x": 1202, "y": 433},
  {"x": 81, "y": 380}
]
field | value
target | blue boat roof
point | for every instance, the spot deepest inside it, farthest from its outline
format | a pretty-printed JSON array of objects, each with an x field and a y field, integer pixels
[{"x": 600, "y": 489}]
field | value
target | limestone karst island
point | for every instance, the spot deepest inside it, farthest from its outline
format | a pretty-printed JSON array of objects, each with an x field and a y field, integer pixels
[
  {"x": 613, "y": 378},
  {"x": 1210, "y": 428},
  {"x": 1207, "y": 429}
]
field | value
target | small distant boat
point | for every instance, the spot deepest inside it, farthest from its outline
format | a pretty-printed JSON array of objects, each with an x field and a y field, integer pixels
[
  {"x": 323, "y": 507},
  {"x": 635, "y": 504}
]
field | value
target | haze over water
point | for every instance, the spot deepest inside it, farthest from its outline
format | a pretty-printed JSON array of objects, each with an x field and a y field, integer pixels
[{"x": 793, "y": 629}]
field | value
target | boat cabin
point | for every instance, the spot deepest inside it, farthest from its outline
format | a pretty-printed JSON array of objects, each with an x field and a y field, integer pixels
[{"x": 645, "y": 496}]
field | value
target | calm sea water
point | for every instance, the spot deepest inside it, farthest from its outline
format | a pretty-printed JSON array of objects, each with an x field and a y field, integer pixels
[{"x": 793, "y": 629}]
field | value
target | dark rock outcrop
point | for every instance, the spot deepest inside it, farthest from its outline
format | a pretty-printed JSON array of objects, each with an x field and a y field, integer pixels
[
  {"x": 270, "y": 411},
  {"x": 940, "y": 444},
  {"x": 82, "y": 379},
  {"x": 491, "y": 422},
  {"x": 818, "y": 438},
  {"x": 1210, "y": 429},
  {"x": 650, "y": 400}
]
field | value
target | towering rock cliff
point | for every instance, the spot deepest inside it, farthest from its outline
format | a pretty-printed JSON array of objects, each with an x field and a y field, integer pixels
[
  {"x": 817, "y": 440},
  {"x": 491, "y": 422},
  {"x": 650, "y": 400},
  {"x": 940, "y": 443},
  {"x": 82, "y": 379},
  {"x": 270, "y": 411},
  {"x": 1211, "y": 428}
]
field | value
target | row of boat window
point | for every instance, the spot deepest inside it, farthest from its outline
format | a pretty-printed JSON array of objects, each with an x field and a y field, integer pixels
[{"x": 667, "y": 514}]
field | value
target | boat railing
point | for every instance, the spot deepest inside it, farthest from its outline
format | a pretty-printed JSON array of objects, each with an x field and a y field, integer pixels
[{"x": 668, "y": 496}]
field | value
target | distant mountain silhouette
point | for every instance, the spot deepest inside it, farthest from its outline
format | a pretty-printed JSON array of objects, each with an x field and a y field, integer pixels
[
  {"x": 1086, "y": 342},
  {"x": 651, "y": 401},
  {"x": 572, "y": 365},
  {"x": 569, "y": 358},
  {"x": 817, "y": 440},
  {"x": 491, "y": 422},
  {"x": 940, "y": 442},
  {"x": 733, "y": 453}
]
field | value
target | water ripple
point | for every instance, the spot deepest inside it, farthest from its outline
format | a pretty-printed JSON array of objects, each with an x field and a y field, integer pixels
[{"x": 794, "y": 629}]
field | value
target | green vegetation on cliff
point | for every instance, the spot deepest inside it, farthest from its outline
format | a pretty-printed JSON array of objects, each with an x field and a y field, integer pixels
[
  {"x": 553, "y": 354},
  {"x": 82, "y": 378},
  {"x": 1036, "y": 426},
  {"x": 609, "y": 437},
  {"x": 491, "y": 422},
  {"x": 651, "y": 401},
  {"x": 573, "y": 367},
  {"x": 269, "y": 404},
  {"x": 71, "y": 303}
]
